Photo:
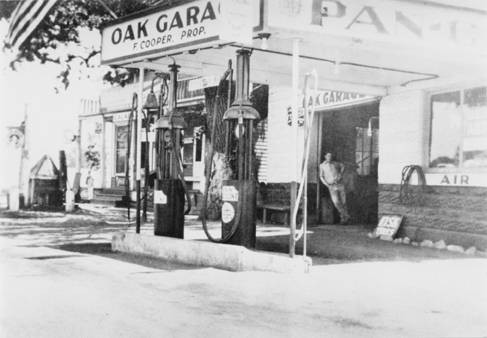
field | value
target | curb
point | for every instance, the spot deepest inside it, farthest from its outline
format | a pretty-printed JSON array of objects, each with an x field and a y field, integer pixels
[{"x": 208, "y": 254}]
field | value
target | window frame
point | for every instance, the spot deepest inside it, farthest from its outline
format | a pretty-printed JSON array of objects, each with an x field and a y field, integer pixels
[
  {"x": 117, "y": 126},
  {"x": 429, "y": 104}
]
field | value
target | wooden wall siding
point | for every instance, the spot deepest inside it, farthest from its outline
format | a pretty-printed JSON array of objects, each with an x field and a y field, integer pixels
[{"x": 261, "y": 152}]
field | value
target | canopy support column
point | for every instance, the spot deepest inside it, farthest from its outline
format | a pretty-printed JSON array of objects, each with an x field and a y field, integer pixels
[{"x": 294, "y": 182}]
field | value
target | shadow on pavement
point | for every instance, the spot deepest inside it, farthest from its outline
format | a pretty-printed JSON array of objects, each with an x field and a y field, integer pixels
[
  {"x": 105, "y": 250},
  {"x": 338, "y": 245}
]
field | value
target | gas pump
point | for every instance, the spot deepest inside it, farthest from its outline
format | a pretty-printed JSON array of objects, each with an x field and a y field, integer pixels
[
  {"x": 238, "y": 193},
  {"x": 169, "y": 185}
]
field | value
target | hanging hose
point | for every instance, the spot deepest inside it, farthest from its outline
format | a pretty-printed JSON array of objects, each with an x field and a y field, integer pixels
[
  {"x": 234, "y": 228},
  {"x": 129, "y": 141},
  {"x": 309, "y": 115},
  {"x": 179, "y": 163},
  {"x": 179, "y": 167},
  {"x": 146, "y": 169}
]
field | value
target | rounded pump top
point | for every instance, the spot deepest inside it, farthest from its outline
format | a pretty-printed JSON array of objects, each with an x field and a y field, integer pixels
[
  {"x": 175, "y": 121},
  {"x": 242, "y": 107},
  {"x": 236, "y": 111}
]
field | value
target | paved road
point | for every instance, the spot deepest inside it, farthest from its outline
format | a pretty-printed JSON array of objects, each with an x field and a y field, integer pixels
[{"x": 47, "y": 292}]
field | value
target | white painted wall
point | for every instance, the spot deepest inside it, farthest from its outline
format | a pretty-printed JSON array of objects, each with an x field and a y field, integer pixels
[
  {"x": 403, "y": 135},
  {"x": 281, "y": 140}
]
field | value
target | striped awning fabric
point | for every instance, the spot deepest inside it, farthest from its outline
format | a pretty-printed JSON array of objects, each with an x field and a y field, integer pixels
[{"x": 26, "y": 17}]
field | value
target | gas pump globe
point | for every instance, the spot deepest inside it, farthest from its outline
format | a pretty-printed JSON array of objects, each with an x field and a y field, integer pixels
[
  {"x": 239, "y": 194},
  {"x": 169, "y": 189}
]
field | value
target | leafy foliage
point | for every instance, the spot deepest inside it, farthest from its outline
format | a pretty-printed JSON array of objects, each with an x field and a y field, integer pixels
[
  {"x": 61, "y": 27},
  {"x": 92, "y": 158}
]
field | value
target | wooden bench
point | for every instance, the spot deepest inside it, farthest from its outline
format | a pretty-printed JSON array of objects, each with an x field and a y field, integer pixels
[{"x": 274, "y": 207}]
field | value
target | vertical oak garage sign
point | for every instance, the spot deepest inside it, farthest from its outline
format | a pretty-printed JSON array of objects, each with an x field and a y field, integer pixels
[{"x": 159, "y": 32}]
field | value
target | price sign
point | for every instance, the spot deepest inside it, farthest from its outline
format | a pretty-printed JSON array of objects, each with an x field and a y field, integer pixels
[
  {"x": 228, "y": 212},
  {"x": 229, "y": 193},
  {"x": 388, "y": 226},
  {"x": 160, "y": 197}
]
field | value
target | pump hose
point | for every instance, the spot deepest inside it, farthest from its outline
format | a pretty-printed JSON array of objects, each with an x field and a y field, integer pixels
[
  {"x": 234, "y": 228},
  {"x": 179, "y": 165},
  {"x": 304, "y": 168}
]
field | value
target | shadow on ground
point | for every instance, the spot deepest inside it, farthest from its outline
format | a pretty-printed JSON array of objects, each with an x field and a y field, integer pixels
[
  {"x": 105, "y": 250},
  {"x": 89, "y": 230}
]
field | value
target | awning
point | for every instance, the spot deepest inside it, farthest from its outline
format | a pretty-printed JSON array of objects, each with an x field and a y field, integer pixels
[{"x": 364, "y": 46}]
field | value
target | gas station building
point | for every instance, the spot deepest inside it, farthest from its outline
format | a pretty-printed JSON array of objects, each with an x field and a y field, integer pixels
[{"x": 398, "y": 83}]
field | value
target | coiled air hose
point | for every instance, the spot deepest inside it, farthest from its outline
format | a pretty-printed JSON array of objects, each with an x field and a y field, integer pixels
[
  {"x": 234, "y": 228},
  {"x": 405, "y": 195}
]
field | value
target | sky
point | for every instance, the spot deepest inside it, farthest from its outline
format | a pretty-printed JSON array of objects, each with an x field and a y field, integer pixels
[{"x": 52, "y": 117}]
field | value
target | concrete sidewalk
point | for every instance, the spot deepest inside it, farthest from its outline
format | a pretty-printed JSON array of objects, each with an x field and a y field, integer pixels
[{"x": 326, "y": 244}]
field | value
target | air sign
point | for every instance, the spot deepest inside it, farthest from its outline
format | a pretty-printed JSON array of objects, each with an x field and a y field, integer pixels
[{"x": 180, "y": 28}]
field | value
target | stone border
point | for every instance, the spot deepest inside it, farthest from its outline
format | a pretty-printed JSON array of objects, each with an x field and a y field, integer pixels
[
  {"x": 465, "y": 239},
  {"x": 208, "y": 254}
]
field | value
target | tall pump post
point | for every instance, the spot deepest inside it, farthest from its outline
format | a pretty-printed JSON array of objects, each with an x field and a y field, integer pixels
[
  {"x": 239, "y": 194},
  {"x": 169, "y": 187}
]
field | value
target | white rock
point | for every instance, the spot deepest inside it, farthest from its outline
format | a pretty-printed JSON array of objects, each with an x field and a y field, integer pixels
[
  {"x": 406, "y": 240},
  {"x": 397, "y": 241},
  {"x": 471, "y": 251},
  {"x": 414, "y": 243},
  {"x": 386, "y": 238},
  {"x": 440, "y": 245},
  {"x": 372, "y": 235},
  {"x": 427, "y": 243},
  {"x": 482, "y": 253},
  {"x": 455, "y": 248}
]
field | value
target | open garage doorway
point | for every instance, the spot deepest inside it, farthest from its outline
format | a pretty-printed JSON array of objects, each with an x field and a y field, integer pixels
[{"x": 351, "y": 135}]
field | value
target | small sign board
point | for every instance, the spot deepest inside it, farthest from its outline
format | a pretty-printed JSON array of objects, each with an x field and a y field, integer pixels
[
  {"x": 229, "y": 193},
  {"x": 160, "y": 197},
  {"x": 228, "y": 212},
  {"x": 388, "y": 226}
]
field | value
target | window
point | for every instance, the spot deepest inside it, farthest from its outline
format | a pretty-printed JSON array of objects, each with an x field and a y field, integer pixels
[
  {"x": 121, "y": 149},
  {"x": 459, "y": 129},
  {"x": 367, "y": 151}
]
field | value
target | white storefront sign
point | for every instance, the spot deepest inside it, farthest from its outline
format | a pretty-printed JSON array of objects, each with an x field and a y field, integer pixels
[
  {"x": 457, "y": 179},
  {"x": 329, "y": 99},
  {"x": 186, "y": 27},
  {"x": 399, "y": 21}
]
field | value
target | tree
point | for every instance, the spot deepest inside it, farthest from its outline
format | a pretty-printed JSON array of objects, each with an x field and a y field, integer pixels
[{"x": 62, "y": 27}]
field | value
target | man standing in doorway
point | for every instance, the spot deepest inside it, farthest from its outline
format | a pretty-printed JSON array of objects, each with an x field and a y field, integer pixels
[{"x": 331, "y": 174}]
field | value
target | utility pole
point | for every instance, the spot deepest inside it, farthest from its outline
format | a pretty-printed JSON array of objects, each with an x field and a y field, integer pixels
[{"x": 24, "y": 156}]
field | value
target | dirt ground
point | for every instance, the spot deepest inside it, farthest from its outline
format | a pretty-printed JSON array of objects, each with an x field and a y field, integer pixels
[{"x": 89, "y": 230}]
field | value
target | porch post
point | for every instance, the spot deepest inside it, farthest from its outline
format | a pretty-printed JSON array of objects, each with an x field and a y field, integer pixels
[
  {"x": 103, "y": 153},
  {"x": 294, "y": 183},
  {"x": 138, "y": 125}
]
